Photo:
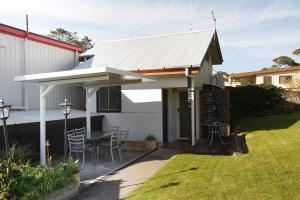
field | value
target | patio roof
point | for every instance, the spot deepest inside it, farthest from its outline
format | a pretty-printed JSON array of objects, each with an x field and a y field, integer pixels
[{"x": 92, "y": 77}]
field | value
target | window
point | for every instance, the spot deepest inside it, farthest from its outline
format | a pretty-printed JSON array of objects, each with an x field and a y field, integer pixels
[
  {"x": 268, "y": 80},
  {"x": 109, "y": 99},
  {"x": 285, "y": 79}
]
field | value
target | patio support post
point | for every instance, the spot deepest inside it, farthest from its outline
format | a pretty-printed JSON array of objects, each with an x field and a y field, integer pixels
[
  {"x": 88, "y": 95},
  {"x": 191, "y": 99},
  {"x": 44, "y": 90},
  {"x": 193, "y": 124},
  {"x": 88, "y": 112}
]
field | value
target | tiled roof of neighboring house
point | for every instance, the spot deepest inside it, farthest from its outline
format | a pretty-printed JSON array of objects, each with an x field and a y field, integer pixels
[
  {"x": 265, "y": 71},
  {"x": 156, "y": 52},
  {"x": 37, "y": 38}
]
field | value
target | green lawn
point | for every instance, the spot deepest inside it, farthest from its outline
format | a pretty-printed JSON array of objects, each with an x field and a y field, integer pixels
[{"x": 271, "y": 169}]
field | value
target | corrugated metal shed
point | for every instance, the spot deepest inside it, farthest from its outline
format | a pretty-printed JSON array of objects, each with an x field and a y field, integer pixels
[
  {"x": 156, "y": 52},
  {"x": 19, "y": 56}
]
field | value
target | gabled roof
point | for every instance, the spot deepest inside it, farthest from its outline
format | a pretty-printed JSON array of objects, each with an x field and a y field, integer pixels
[
  {"x": 265, "y": 71},
  {"x": 37, "y": 38},
  {"x": 156, "y": 52}
]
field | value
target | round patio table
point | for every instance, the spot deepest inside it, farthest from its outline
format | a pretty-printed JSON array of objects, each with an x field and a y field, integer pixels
[{"x": 95, "y": 137}]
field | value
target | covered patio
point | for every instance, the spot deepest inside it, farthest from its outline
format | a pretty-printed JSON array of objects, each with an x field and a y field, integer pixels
[{"x": 90, "y": 79}]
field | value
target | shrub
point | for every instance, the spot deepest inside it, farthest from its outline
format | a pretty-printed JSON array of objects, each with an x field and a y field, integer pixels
[
  {"x": 22, "y": 181},
  {"x": 150, "y": 138},
  {"x": 252, "y": 100}
]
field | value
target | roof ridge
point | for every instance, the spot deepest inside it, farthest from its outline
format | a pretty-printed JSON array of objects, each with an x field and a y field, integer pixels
[
  {"x": 159, "y": 35},
  {"x": 19, "y": 29}
]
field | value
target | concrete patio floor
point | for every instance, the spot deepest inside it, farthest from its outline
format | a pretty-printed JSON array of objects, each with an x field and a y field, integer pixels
[
  {"x": 119, "y": 184},
  {"x": 92, "y": 172}
]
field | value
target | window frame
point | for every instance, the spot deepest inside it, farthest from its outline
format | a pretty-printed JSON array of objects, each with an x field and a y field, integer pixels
[
  {"x": 109, "y": 110},
  {"x": 285, "y": 81},
  {"x": 271, "y": 79}
]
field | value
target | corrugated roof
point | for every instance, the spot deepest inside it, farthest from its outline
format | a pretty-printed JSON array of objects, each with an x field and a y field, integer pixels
[{"x": 155, "y": 52}]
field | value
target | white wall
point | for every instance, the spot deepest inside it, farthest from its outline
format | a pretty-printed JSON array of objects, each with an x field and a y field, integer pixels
[
  {"x": 141, "y": 108},
  {"x": 11, "y": 62},
  {"x": 16, "y": 53},
  {"x": 275, "y": 79},
  {"x": 204, "y": 77}
]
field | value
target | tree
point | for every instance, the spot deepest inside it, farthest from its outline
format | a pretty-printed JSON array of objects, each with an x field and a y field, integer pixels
[
  {"x": 297, "y": 52},
  {"x": 285, "y": 61},
  {"x": 71, "y": 37}
]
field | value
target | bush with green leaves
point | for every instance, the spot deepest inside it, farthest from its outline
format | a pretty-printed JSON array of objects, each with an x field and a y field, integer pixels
[
  {"x": 150, "y": 138},
  {"x": 22, "y": 181},
  {"x": 253, "y": 100}
]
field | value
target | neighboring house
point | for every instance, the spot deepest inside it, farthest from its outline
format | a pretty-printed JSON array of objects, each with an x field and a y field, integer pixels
[
  {"x": 285, "y": 77},
  {"x": 24, "y": 53},
  {"x": 150, "y": 85}
]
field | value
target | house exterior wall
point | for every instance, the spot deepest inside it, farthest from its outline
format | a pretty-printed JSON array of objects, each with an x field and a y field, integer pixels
[
  {"x": 205, "y": 75},
  {"x": 295, "y": 83},
  {"x": 142, "y": 108},
  {"x": 19, "y": 56}
]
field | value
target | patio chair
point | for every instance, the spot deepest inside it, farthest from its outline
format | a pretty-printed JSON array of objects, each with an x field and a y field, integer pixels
[
  {"x": 70, "y": 133},
  {"x": 77, "y": 145},
  {"x": 216, "y": 130},
  {"x": 80, "y": 131},
  {"x": 112, "y": 144},
  {"x": 123, "y": 140},
  {"x": 113, "y": 129}
]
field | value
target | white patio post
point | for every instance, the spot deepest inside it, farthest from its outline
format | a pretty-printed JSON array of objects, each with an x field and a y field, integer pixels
[
  {"x": 193, "y": 110},
  {"x": 42, "y": 126},
  {"x": 88, "y": 111},
  {"x": 43, "y": 92},
  {"x": 88, "y": 96},
  {"x": 191, "y": 96}
]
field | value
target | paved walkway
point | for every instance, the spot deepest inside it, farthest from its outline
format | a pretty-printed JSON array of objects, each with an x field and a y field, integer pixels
[{"x": 121, "y": 183}]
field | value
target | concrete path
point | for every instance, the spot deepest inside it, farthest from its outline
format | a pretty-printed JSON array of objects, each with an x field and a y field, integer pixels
[{"x": 121, "y": 183}]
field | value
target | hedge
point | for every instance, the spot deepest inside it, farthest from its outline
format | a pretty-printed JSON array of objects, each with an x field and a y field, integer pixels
[{"x": 255, "y": 100}]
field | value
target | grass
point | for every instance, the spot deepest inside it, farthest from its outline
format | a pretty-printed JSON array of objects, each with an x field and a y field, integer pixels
[{"x": 271, "y": 169}]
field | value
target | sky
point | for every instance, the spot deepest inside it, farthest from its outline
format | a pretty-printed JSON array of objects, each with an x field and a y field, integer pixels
[{"x": 251, "y": 33}]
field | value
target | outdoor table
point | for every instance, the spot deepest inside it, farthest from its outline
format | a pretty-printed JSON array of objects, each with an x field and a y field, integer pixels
[
  {"x": 96, "y": 136},
  {"x": 214, "y": 129}
]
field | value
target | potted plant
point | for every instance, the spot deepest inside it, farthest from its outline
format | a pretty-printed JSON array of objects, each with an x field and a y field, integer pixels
[{"x": 150, "y": 142}]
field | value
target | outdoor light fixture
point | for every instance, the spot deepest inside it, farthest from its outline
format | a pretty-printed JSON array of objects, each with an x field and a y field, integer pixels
[
  {"x": 66, "y": 109},
  {"x": 4, "y": 115}
]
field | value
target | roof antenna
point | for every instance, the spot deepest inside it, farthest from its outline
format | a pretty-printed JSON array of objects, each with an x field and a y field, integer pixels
[
  {"x": 27, "y": 23},
  {"x": 215, "y": 20},
  {"x": 191, "y": 16}
]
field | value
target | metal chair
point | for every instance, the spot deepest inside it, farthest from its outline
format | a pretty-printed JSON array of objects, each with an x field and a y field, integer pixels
[
  {"x": 77, "y": 145},
  {"x": 70, "y": 133},
  {"x": 123, "y": 140},
  {"x": 80, "y": 131},
  {"x": 112, "y": 144},
  {"x": 216, "y": 130},
  {"x": 113, "y": 129}
]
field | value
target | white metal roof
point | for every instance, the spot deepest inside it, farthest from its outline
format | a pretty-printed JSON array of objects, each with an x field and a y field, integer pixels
[
  {"x": 31, "y": 116},
  {"x": 156, "y": 52},
  {"x": 86, "y": 77}
]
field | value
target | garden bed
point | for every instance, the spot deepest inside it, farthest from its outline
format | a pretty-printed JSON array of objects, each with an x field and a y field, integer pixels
[{"x": 64, "y": 193}]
